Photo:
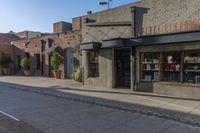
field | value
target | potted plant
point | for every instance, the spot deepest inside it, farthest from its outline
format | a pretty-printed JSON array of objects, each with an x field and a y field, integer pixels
[
  {"x": 77, "y": 74},
  {"x": 25, "y": 64},
  {"x": 56, "y": 61},
  {"x": 5, "y": 62}
]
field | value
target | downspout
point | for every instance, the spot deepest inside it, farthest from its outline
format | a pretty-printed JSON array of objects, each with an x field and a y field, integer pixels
[{"x": 133, "y": 51}]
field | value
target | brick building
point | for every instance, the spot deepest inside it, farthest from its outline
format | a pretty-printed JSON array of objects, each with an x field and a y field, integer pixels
[
  {"x": 6, "y": 47},
  {"x": 64, "y": 40},
  {"x": 28, "y": 34}
]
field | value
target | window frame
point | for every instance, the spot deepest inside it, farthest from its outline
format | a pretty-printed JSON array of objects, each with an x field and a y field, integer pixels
[
  {"x": 38, "y": 62},
  {"x": 95, "y": 63}
]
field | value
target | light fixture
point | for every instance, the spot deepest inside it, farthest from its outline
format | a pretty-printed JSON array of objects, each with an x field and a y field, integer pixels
[{"x": 103, "y": 3}]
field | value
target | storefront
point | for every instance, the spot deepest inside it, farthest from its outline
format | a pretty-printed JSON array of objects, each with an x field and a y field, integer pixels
[
  {"x": 109, "y": 64},
  {"x": 151, "y": 46},
  {"x": 169, "y": 64}
]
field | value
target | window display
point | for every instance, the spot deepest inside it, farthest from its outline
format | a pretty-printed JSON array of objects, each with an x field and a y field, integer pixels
[
  {"x": 150, "y": 66},
  {"x": 171, "y": 66},
  {"x": 192, "y": 66},
  {"x": 176, "y": 66}
]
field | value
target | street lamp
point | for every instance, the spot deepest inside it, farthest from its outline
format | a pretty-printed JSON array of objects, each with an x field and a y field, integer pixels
[{"x": 103, "y": 3}]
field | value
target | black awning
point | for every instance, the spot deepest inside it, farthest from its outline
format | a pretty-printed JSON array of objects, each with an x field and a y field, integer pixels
[
  {"x": 167, "y": 39},
  {"x": 90, "y": 46},
  {"x": 119, "y": 43},
  {"x": 145, "y": 40},
  {"x": 114, "y": 43}
]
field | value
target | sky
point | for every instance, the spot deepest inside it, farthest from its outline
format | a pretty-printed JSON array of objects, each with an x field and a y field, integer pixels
[{"x": 39, "y": 15}]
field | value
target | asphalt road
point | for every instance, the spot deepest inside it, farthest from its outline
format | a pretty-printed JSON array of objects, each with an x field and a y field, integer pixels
[{"x": 28, "y": 112}]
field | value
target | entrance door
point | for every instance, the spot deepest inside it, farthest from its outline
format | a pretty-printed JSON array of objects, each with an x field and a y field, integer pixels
[
  {"x": 123, "y": 71},
  {"x": 70, "y": 62}
]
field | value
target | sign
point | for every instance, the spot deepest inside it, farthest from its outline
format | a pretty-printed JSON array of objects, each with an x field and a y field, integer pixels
[{"x": 189, "y": 25}]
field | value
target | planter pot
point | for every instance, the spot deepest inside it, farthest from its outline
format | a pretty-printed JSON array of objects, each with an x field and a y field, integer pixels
[
  {"x": 6, "y": 71},
  {"x": 27, "y": 72},
  {"x": 79, "y": 78},
  {"x": 57, "y": 74}
]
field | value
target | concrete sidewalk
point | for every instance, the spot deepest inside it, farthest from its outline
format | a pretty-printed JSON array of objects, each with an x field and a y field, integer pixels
[{"x": 190, "y": 108}]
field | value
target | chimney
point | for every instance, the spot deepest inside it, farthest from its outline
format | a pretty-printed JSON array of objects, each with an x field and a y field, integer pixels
[{"x": 62, "y": 27}]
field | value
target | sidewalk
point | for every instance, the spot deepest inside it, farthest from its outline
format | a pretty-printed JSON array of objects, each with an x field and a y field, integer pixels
[{"x": 190, "y": 108}]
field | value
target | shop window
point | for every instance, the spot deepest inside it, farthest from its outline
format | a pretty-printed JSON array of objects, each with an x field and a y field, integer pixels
[
  {"x": 37, "y": 56},
  {"x": 18, "y": 62},
  {"x": 43, "y": 45},
  {"x": 49, "y": 43},
  {"x": 27, "y": 55},
  {"x": 192, "y": 67},
  {"x": 150, "y": 66},
  {"x": 171, "y": 66},
  {"x": 93, "y": 63}
]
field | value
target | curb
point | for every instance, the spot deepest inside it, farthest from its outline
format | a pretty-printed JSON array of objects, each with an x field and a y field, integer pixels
[{"x": 109, "y": 104}]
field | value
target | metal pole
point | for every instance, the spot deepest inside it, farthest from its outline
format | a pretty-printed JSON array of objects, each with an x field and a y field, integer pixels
[{"x": 108, "y": 4}]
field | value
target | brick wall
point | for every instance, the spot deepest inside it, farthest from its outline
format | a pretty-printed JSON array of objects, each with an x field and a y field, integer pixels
[
  {"x": 6, "y": 38},
  {"x": 8, "y": 50},
  {"x": 76, "y": 23},
  {"x": 65, "y": 40},
  {"x": 166, "y": 16},
  {"x": 61, "y": 27}
]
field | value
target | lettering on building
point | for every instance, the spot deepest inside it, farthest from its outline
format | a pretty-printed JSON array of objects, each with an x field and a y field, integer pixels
[{"x": 188, "y": 25}]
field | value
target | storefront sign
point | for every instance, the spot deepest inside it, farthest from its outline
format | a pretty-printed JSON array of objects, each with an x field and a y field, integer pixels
[{"x": 190, "y": 25}]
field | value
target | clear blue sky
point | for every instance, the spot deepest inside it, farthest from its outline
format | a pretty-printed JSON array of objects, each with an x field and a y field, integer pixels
[{"x": 39, "y": 15}]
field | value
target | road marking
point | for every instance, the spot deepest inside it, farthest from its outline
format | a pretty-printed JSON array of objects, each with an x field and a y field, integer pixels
[{"x": 12, "y": 117}]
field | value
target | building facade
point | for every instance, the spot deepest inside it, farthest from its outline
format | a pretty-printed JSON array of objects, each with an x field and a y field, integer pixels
[
  {"x": 28, "y": 34},
  {"x": 40, "y": 48},
  {"x": 6, "y": 48},
  {"x": 151, "y": 45}
]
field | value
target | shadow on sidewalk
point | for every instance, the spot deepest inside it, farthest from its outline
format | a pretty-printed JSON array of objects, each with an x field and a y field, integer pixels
[
  {"x": 185, "y": 118},
  {"x": 120, "y": 91}
]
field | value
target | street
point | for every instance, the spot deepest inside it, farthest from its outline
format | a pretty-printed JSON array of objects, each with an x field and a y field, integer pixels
[{"x": 48, "y": 114}]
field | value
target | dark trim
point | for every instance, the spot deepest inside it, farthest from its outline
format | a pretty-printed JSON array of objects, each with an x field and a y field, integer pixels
[
  {"x": 117, "y": 43},
  {"x": 147, "y": 40},
  {"x": 101, "y": 24},
  {"x": 167, "y": 39},
  {"x": 90, "y": 46}
]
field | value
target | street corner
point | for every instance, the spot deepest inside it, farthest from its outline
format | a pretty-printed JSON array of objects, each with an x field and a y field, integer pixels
[{"x": 9, "y": 125}]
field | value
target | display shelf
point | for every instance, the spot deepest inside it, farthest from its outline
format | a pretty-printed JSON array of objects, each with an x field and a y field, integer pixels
[
  {"x": 151, "y": 70},
  {"x": 171, "y": 71},
  {"x": 150, "y": 67},
  {"x": 151, "y": 63},
  {"x": 143, "y": 80},
  {"x": 192, "y": 63},
  {"x": 192, "y": 70}
]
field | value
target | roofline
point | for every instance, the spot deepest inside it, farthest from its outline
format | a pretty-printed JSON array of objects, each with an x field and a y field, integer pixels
[
  {"x": 139, "y": 1},
  {"x": 50, "y": 34}
]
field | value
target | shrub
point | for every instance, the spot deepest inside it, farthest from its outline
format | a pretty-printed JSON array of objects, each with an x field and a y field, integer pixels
[
  {"x": 25, "y": 63},
  {"x": 77, "y": 74},
  {"x": 56, "y": 61},
  {"x": 5, "y": 61}
]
